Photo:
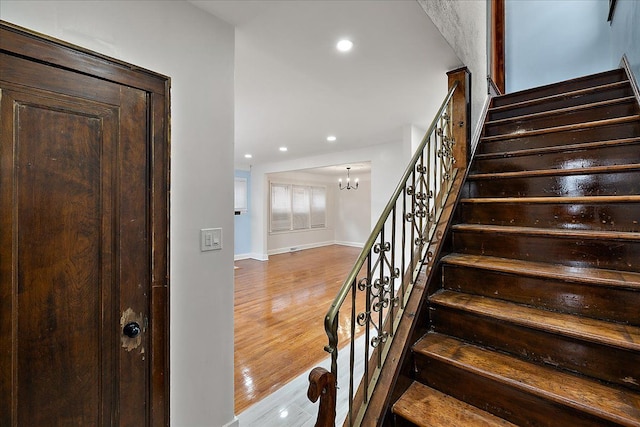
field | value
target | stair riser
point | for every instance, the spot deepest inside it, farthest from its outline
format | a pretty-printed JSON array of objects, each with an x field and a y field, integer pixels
[
  {"x": 598, "y": 302},
  {"x": 571, "y": 251},
  {"x": 603, "y": 112},
  {"x": 595, "y": 216},
  {"x": 601, "y": 156},
  {"x": 578, "y": 136},
  {"x": 572, "y": 101},
  {"x": 594, "y": 360},
  {"x": 577, "y": 84},
  {"x": 622, "y": 183},
  {"x": 500, "y": 399}
]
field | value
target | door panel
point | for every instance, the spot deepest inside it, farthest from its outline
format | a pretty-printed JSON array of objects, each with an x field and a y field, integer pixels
[
  {"x": 75, "y": 191},
  {"x": 61, "y": 287}
]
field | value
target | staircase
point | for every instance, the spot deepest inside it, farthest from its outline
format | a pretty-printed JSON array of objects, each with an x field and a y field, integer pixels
[{"x": 534, "y": 319}]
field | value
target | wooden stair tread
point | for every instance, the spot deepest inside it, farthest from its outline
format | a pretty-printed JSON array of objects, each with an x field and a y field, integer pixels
[
  {"x": 553, "y": 172},
  {"x": 427, "y": 407},
  {"x": 551, "y": 232},
  {"x": 615, "y": 405},
  {"x": 573, "y": 200},
  {"x": 557, "y": 148},
  {"x": 584, "y": 328},
  {"x": 577, "y": 126},
  {"x": 618, "y": 74},
  {"x": 595, "y": 276},
  {"x": 558, "y": 111},
  {"x": 559, "y": 96}
]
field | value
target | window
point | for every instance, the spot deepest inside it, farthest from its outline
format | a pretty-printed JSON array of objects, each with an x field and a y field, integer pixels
[
  {"x": 318, "y": 207},
  {"x": 297, "y": 207},
  {"x": 301, "y": 207},
  {"x": 280, "y": 207},
  {"x": 240, "y": 195}
]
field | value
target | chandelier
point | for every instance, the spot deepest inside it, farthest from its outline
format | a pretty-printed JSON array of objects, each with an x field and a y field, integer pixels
[{"x": 348, "y": 186}]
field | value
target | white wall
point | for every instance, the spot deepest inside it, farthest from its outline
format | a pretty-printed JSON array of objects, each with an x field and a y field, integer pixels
[
  {"x": 464, "y": 25},
  {"x": 625, "y": 35},
  {"x": 412, "y": 136},
  {"x": 551, "y": 41},
  {"x": 353, "y": 212},
  {"x": 196, "y": 51}
]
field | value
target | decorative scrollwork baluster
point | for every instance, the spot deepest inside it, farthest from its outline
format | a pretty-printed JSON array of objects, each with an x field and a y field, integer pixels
[{"x": 410, "y": 218}]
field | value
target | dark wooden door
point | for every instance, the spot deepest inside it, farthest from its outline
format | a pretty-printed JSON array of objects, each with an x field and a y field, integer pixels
[{"x": 76, "y": 259}]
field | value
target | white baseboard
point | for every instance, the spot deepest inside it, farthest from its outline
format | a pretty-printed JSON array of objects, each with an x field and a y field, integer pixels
[
  {"x": 299, "y": 247},
  {"x": 233, "y": 423},
  {"x": 259, "y": 257},
  {"x": 296, "y": 248},
  {"x": 238, "y": 257},
  {"x": 352, "y": 244}
]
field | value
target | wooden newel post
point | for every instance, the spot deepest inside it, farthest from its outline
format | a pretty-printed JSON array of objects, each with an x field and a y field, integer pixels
[
  {"x": 461, "y": 115},
  {"x": 322, "y": 384}
]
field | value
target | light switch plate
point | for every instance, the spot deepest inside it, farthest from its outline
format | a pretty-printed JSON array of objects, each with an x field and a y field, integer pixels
[{"x": 210, "y": 239}]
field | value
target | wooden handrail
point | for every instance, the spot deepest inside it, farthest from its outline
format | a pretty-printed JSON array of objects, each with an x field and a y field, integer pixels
[
  {"x": 322, "y": 384},
  {"x": 413, "y": 211}
]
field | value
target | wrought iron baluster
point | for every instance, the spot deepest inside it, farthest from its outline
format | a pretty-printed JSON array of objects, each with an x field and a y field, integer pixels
[
  {"x": 403, "y": 264},
  {"x": 352, "y": 347},
  {"x": 393, "y": 299},
  {"x": 421, "y": 188}
]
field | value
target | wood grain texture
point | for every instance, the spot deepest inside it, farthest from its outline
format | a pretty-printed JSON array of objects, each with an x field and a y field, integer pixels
[
  {"x": 599, "y": 331},
  {"x": 601, "y": 110},
  {"x": 597, "y": 181},
  {"x": 585, "y": 82},
  {"x": 538, "y": 320},
  {"x": 566, "y": 353},
  {"x": 562, "y": 100},
  {"x": 554, "y": 139},
  {"x": 526, "y": 133},
  {"x": 521, "y": 390},
  {"x": 279, "y": 312},
  {"x": 578, "y": 213},
  {"x": 577, "y": 248},
  {"x": 322, "y": 385},
  {"x": 590, "y": 292},
  {"x": 88, "y": 228},
  {"x": 26, "y": 43},
  {"x": 610, "y": 154},
  {"x": 61, "y": 292},
  {"x": 426, "y": 407},
  {"x": 516, "y": 152}
]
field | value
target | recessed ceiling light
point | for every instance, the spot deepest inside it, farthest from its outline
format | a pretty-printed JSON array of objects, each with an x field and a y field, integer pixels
[
  {"x": 331, "y": 138},
  {"x": 248, "y": 156},
  {"x": 283, "y": 148},
  {"x": 344, "y": 45}
]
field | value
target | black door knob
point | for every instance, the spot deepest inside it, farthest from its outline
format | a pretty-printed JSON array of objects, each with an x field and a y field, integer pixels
[{"x": 131, "y": 329}]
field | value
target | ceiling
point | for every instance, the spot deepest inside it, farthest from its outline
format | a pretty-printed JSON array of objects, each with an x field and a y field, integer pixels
[{"x": 293, "y": 88}]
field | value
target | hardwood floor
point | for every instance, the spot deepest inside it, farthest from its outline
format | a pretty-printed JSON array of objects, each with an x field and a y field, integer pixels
[{"x": 279, "y": 311}]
